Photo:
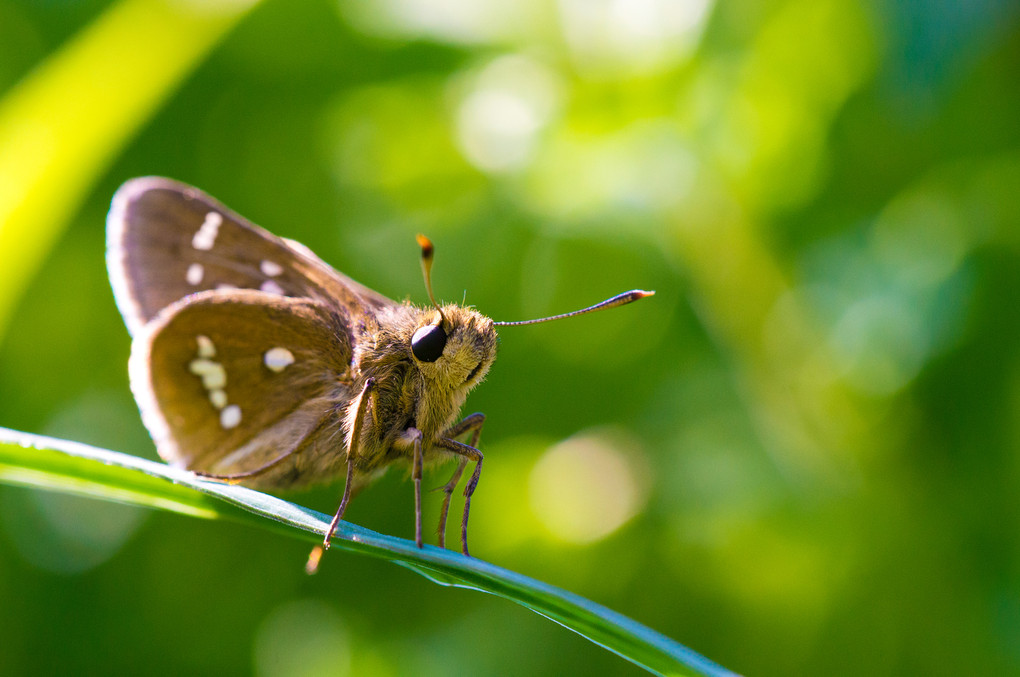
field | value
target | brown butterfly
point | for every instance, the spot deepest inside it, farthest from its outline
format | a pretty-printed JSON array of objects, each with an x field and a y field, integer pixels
[{"x": 254, "y": 362}]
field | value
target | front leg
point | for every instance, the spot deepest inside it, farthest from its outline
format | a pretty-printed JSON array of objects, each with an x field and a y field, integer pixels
[
  {"x": 362, "y": 405},
  {"x": 416, "y": 476},
  {"x": 470, "y": 423},
  {"x": 352, "y": 455},
  {"x": 469, "y": 454}
]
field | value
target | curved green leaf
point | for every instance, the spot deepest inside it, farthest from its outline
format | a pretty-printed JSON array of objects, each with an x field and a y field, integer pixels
[{"x": 71, "y": 467}]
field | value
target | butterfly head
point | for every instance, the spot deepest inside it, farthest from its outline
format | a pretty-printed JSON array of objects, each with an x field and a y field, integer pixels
[{"x": 453, "y": 347}]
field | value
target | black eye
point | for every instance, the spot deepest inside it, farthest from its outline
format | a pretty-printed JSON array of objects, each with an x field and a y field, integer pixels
[{"x": 428, "y": 342}]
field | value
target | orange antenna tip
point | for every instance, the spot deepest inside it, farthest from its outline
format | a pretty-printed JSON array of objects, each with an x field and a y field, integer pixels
[
  {"x": 426, "y": 268},
  {"x": 426, "y": 246}
]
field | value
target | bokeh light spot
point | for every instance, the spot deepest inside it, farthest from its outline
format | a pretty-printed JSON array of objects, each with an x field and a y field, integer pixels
[
  {"x": 587, "y": 487},
  {"x": 503, "y": 110},
  {"x": 919, "y": 238},
  {"x": 628, "y": 36},
  {"x": 458, "y": 21},
  {"x": 881, "y": 344}
]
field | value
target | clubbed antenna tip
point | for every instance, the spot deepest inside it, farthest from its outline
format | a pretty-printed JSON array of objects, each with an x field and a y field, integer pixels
[{"x": 618, "y": 300}]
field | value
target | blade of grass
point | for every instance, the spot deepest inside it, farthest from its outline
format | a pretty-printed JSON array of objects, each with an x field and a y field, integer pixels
[{"x": 71, "y": 467}]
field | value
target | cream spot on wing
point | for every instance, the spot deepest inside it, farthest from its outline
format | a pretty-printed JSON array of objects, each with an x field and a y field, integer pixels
[
  {"x": 278, "y": 359},
  {"x": 202, "y": 366},
  {"x": 195, "y": 274},
  {"x": 205, "y": 346},
  {"x": 230, "y": 416},
  {"x": 218, "y": 398},
  {"x": 215, "y": 379},
  {"x": 205, "y": 238},
  {"x": 225, "y": 287},
  {"x": 271, "y": 287},
  {"x": 212, "y": 373},
  {"x": 271, "y": 268}
]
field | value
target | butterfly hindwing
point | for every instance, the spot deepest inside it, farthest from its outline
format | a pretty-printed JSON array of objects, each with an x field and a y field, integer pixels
[{"x": 230, "y": 381}]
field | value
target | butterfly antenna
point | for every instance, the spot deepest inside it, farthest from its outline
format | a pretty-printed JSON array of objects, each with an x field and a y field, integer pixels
[
  {"x": 618, "y": 300},
  {"x": 427, "y": 251}
]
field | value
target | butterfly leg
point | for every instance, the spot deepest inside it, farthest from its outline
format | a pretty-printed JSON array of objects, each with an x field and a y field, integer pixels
[
  {"x": 416, "y": 476},
  {"x": 470, "y": 423},
  {"x": 363, "y": 403},
  {"x": 448, "y": 491},
  {"x": 470, "y": 454}
]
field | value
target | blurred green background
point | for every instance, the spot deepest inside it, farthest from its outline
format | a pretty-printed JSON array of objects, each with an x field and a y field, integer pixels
[{"x": 799, "y": 457}]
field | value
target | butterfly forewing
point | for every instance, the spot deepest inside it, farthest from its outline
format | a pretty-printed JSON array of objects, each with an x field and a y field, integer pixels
[
  {"x": 232, "y": 383},
  {"x": 168, "y": 240}
]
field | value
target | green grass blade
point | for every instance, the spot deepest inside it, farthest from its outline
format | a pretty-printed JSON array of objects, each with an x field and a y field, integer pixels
[{"x": 71, "y": 467}]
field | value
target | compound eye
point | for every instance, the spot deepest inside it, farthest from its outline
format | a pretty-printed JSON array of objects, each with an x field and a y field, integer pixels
[{"x": 428, "y": 342}]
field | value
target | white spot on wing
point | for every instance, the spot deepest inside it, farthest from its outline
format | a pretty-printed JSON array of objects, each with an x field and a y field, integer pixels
[
  {"x": 230, "y": 416},
  {"x": 214, "y": 378},
  {"x": 205, "y": 238},
  {"x": 278, "y": 359},
  {"x": 271, "y": 268},
  {"x": 195, "y": 274},
  {"x": 212, "y": 373},
  {"x": 202, "y": 366},
  {"x": 269, "y": 286},
  {"x": 218, "y": 398},
  {"x": 205, "y": 346}
]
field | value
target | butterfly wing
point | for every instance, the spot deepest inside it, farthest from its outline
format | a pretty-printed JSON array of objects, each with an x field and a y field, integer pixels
[
  {"x": 245, "y": 383},
  {"x": 166, "y": 240}
]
